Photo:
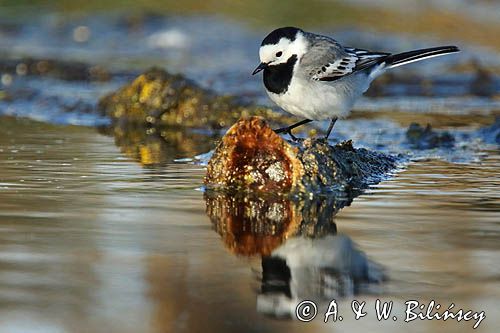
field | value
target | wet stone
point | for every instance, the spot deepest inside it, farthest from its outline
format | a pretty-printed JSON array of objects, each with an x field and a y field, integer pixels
[
  {"x": 491, "y": 134},
  {"x": 159, "y": 98},
  {"x": 251, "y": 156},
  {"x": 484, "y": 83},
  {"x": 426, "y": 138}
]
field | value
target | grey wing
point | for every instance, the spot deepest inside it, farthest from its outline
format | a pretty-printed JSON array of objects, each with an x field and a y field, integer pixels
[{"x": 327, "y": 60}]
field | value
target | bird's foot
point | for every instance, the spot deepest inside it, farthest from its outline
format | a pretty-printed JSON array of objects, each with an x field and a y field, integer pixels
[
  {"x": 294, "y": 138},
  {"x": 288, "y": 130}
]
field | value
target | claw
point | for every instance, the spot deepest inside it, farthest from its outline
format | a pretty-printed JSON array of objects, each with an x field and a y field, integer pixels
[
  {"x": 294, "y": 138},
  {"x": 288, "y": 131}
]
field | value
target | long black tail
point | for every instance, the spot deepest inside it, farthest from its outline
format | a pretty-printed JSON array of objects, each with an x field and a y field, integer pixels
[{"x": 395, "y": 60}]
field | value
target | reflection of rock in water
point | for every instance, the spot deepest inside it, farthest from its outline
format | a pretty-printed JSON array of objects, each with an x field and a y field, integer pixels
[
  {"x": 302, "y": 257},
  {"x": 152, "y": 146},
  {"x": 317, "y": 269},
  {"x": 253, "y": 225}
]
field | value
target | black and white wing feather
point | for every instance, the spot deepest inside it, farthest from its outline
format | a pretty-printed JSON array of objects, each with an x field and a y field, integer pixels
[
  {"x": 348, "y": 62},
  {"x": 327, "y": 60}
]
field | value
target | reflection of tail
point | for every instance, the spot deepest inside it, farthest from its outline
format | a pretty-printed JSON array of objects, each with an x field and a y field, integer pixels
[
  {"x": 404, "y": 58},
  {"x": 310, "y": 260},
  {"x": 276, "y": 276}
]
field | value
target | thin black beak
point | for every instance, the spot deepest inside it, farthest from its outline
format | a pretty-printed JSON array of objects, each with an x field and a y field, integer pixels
[{"x": 261, "y": 66}]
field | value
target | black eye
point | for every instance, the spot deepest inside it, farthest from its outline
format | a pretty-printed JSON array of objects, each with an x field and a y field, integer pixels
[{"x": 278, "y": 54}]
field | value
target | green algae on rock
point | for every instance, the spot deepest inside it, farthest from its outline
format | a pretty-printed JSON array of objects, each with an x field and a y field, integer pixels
[
  {"x": 158, "y": 98},
  {"x": 252, "y": 156}
]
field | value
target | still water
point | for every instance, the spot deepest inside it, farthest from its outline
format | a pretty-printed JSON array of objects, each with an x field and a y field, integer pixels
[{"x": 91, "y": 241}]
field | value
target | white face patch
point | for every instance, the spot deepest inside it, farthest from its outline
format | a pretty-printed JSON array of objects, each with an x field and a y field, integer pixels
[{"x": 270, "y": 54}]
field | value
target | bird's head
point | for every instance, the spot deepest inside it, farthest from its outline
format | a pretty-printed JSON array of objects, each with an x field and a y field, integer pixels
[{"x": 280, "y": 45}]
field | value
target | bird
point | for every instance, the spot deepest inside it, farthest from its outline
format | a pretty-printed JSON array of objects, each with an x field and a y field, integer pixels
[{"x": 314, "y": 77}]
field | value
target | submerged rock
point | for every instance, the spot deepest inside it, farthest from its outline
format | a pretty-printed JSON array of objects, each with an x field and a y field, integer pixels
[
  {"x": 159, "y": 98},
  {"x": 252, "y": 156},
  {"x": 484, "y": 83},
  {"x": 426, "y": 138},
  {"x": 491, "y": 134}
]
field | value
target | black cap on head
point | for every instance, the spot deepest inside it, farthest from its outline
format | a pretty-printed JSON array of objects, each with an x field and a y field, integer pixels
[{"x": 276, "y": 35}]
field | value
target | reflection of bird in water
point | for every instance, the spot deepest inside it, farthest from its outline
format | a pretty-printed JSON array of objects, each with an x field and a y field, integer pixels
[
  {"x": 314, "y": 269},
  {"x": 302, "y": 255}
]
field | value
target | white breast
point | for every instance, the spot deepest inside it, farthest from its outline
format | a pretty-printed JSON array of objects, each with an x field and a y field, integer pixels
[{"x": 319, "y": 100}]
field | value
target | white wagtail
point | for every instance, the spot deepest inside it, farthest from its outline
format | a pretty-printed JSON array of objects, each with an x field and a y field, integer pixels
[{"x": 314, "y": 77}]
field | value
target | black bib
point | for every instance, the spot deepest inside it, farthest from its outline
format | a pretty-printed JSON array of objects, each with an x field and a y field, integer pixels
[{"x": 277, "y": 77}]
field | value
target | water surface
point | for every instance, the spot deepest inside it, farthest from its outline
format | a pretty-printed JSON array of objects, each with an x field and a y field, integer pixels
[{"x": 92, "y": 241}]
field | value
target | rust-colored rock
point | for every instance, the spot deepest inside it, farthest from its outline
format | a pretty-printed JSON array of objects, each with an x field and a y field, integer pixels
[{"x": 251, "y": 156}]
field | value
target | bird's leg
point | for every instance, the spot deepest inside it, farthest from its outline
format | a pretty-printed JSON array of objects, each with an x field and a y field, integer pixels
[
  {"x": 289, "y": 129},
  {"x": 294, "y": 138},
  {"x": 330, "y": 128}
]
